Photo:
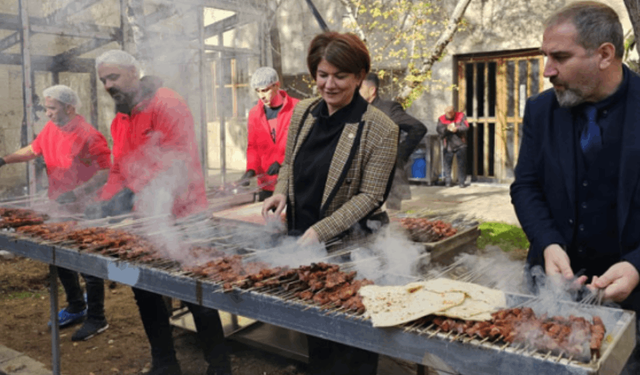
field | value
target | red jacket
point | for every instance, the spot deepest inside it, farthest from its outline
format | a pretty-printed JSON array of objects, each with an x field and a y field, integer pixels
[
  {"x": 261, "y": 150},
  {"x": 73, "y": 154},
  {"x": 453, "y": 142},
  {"x": 155, "y": 146}
]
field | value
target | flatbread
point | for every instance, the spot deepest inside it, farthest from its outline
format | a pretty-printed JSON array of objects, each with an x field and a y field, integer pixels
[
  {"x": 477, "y": 292},
  {"x": 470, "y": 309},
  {"x": 479, "y": 304},
  {"x": 394, "y": 305}
]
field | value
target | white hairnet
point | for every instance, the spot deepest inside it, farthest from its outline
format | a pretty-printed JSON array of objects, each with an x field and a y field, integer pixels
[
  {"x": 264, "y": 77},
  {"x": 63, "y": 94},
  {"x": 118, "y": 57}
]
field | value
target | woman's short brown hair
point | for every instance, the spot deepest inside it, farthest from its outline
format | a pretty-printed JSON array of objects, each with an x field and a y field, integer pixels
[{"x": 344, "y": 51}]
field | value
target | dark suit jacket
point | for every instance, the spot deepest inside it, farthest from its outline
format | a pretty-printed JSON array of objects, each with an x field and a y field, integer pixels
[
  {"x": 415, "y": 129},
  {"x": 544, "y": 191}
]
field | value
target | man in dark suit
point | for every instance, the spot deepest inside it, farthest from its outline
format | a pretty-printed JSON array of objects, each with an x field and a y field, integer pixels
[
  {"x": 411, "y": 133},
  {"x": 576, "y": 190}
]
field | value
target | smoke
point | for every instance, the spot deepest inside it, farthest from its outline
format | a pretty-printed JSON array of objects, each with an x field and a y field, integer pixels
[
  {"x": 490, "y": 267},
  {"x": 287, "y": 252},
  {"x": 390, "y": 259},
  {"x": 156, "y": 201}
]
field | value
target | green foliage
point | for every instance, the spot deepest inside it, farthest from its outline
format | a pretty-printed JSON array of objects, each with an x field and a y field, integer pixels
[
  {"x": 506, "y": 236},
  {"x": 401, "y": 32}
]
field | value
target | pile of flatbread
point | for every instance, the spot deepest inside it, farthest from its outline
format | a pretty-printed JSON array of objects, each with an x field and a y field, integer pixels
[{"x": 394, "y": 305}]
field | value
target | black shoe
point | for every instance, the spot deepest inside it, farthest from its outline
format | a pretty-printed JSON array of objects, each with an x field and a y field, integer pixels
[
  {"x": 226, "y": 370},
  {"x": 167, "y": 369},
  {"x": 463, "y": 185},
  {"x": 90, "y": 328}
]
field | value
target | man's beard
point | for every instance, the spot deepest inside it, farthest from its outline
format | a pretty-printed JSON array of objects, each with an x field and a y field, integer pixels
[
  {"x": 61, "y": 121},
  {"x": 124, "y": 101},
  {"x": 569, "y": 98}
]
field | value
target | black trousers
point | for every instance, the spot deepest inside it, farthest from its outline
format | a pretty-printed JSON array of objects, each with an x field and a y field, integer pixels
[
  {"x": 400, "y": 189},
  {"x": 264, "y": 194},
  {"x": 155, "y": 319},
  {"x": 75, "y": 300},
  {"x": 331, "y": 358},
  {"x": 461, "y": 155}
]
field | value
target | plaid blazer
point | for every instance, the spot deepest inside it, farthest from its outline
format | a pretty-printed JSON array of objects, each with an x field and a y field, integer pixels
[{"x": 362, "y": 191}]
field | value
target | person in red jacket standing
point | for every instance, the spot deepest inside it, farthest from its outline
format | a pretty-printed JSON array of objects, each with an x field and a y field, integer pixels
[
  {"x": 453, "y": 127},
  {"x": 156, "y": 154},
  {"x": 268, "y": 126},
  {"x": 78, "y": 159}
]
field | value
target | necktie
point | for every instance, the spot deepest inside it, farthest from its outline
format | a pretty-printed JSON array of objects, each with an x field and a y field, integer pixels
[{"x": 591, "y": 139}]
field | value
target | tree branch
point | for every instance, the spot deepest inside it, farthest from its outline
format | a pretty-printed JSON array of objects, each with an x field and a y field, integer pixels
[
  {"x": 438, "y": 49},
  {"x": 353, "y": 19}
]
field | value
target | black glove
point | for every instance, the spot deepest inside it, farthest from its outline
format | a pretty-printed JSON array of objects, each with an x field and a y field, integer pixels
[
  {"x": 2, "y": 162},
  {"x": 97, "y": 211},
  {"x": 120, "y": 204},
  {"x": 68, "y": 197},
  {"x": 273, "y": 169},
  {"x": 244, "y": 180}
]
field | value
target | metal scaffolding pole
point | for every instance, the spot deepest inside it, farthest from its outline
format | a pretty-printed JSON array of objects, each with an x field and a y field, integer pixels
[
  {"x": 131, "y": 12},
  {"x": 55, "y": 328},
  {"x": 204, "y": 134},
  {"x": 27, "y": 81},
  {"x": 221, "y": 119}
]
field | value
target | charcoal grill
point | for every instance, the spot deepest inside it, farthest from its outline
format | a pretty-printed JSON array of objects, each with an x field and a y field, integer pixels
[{"x": 418, "y": 344}]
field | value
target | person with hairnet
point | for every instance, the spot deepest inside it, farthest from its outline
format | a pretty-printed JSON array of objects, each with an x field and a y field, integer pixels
[
  {"x": 153, "y": 132},
  {"x": 78, "y": 159},
  {"x": 267, "y": 129}
]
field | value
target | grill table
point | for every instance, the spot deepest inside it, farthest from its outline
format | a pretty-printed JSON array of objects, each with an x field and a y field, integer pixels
[{"x": 419, "y": 345}]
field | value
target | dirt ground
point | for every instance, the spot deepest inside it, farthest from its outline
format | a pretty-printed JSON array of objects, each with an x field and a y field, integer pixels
[{"x": 121, "y": 349}]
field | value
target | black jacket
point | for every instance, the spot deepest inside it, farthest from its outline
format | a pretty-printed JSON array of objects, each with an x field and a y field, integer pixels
[
  {"x": 414, "y": 129},
  {"x": 544, "y": 190}
]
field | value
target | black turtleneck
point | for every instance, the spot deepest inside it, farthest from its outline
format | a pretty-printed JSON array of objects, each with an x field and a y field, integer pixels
[{"x": 312, "y": 163}]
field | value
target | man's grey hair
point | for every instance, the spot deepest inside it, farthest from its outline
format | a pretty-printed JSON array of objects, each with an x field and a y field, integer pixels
[
  {"x": 120, "y": 58},
  {"x": 264, "y": 77},
  {"x": 595, "y": 23},
  {"x": 63, "y": 94}
]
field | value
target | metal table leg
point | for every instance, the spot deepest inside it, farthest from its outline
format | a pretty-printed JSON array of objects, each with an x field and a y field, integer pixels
[
  {"x": 234, "y": 322},
  {"x": 55, "y": 328}
]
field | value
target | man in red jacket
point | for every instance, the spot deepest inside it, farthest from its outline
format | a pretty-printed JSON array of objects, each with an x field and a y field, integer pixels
[
  {"x": 453, "y": 127},
  {"x": 155, "y": 151},
  {"x": 268, "y": 126},
  {"x": 78, "y": 159}
]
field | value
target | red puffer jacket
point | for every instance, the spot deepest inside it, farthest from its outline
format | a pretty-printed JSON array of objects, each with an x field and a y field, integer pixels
[{"x": 262, "y": 151}]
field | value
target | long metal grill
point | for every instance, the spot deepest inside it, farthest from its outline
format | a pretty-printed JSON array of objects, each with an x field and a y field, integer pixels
[{"x": 280, "y": 304}]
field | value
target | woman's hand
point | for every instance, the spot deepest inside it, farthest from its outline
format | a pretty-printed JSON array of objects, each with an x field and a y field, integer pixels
[
  {"x": 310, "y": 237},
  {"x": 275, "y": 203}
]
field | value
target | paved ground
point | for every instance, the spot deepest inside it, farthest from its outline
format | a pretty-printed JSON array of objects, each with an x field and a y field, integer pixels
[
  {"x": 14, "y": 363},
  {"x": 483, "y": 202}
]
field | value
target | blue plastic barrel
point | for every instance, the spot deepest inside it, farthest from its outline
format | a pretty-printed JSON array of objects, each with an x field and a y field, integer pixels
[{"x": 419, "y": 168}]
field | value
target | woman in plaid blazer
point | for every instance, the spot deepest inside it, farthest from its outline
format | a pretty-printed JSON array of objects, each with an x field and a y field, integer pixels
[{"x": 337, "y": 170}]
